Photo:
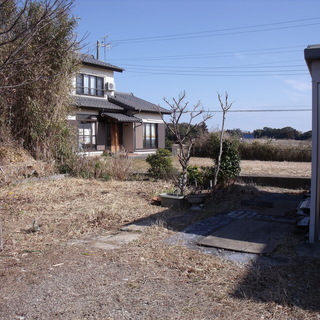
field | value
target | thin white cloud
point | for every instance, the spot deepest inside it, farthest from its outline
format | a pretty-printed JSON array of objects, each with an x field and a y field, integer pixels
[
  {"x": 294, "y": 94},
  {"x": 302, "y": 86}
]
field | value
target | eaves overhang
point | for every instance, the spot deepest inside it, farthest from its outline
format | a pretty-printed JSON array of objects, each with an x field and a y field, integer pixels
[
  {"x": 311, "y": 53},
  {"x": 120, "y": 117}
]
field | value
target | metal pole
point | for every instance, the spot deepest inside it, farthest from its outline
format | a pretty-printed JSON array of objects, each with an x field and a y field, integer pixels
[{"x": 98, "y": 45}]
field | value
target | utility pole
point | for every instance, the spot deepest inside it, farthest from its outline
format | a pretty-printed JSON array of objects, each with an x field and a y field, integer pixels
[
  {"x": 103, "y": 44},
  {"x": 97, "y": 48}
]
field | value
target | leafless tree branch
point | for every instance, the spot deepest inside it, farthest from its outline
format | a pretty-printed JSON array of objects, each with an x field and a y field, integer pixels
[
  {"x": 179, "y": 108},
  {"x": 225, "y": 106},
  {"x": 19, "y": 30}
]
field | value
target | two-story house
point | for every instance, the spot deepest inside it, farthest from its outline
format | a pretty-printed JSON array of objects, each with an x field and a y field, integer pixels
[{"x": 108, "y": 120}]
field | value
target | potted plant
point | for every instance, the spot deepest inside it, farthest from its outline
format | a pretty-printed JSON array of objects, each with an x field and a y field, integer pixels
[{"x": 175, "y": 200}]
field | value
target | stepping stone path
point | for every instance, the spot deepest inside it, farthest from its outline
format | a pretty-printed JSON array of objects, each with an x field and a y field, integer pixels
[
  {"x": 240, "y": 214},
  {"x": 112, "y": 241}
]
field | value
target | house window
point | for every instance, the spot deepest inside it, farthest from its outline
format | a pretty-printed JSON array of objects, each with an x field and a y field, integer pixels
[
  {"x": 87, "y": 136},
  {"x": 150, "y": 135},
  {"x": 90, "y": 85}
]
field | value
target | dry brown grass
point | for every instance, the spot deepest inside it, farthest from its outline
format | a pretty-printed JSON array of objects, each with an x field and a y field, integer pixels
[
  {"x": 43, "y": 277},
  {"x": 72, "y": 207},
  {"x": 273, "y": 168},
  {"x": 248, "y": 167},
  {"x": 9, "y": 155},
  {"x": 16, "y": 164}
]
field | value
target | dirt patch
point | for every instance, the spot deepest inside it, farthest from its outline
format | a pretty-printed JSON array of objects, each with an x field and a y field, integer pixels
[{"x": 44, "y": 277}]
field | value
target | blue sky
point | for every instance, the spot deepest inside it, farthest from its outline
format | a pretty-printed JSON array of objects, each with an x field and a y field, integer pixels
[{"x": 252, "y": 49}]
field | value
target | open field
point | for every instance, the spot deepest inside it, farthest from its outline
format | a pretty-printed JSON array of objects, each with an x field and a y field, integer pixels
[
  {"x": 273, "y": 168},
  {"x": 44, "y": 277},
  {"x": 248, "y": 167}
]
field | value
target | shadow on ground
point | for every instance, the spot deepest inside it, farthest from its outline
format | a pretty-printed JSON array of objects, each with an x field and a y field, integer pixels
[
  {"x": 292, "y": 284},
  {"x": 288, "y": 276}
]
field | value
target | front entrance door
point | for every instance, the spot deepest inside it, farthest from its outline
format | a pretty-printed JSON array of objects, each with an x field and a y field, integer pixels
[{"x": 108, "y": 136}]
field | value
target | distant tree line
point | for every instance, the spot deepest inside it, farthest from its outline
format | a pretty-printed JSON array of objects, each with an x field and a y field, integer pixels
[
  {"x": 287, "y": 133},
  {"x": 195, "y": 133},
  {"x": 284, "y": 133}
]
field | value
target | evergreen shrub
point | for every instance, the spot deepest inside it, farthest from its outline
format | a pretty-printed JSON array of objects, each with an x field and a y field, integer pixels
[{"x": 160, "y": 164}]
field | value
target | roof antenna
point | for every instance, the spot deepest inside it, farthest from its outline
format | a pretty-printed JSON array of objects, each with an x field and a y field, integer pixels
[{"x": 103, "y": 44}]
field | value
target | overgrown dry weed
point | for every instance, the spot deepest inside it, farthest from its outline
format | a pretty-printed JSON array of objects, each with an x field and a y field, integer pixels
[
  {"x": 44, "y": 278},
  {"x": 17, "y": 164},
  {"x": 70, "y": 208},
  {"x": 275, "y": 168}
]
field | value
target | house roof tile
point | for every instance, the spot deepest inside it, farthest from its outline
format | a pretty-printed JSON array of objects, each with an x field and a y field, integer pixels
[
  {"x": 96, "y": 103},
  {"x": 121, "y": 117},
  {"x": 92, "y": 61},
  {"x": 130, "y": 102}
]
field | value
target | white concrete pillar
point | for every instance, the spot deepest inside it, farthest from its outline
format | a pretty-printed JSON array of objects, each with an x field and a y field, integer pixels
[{"x": 312, "y": 56}]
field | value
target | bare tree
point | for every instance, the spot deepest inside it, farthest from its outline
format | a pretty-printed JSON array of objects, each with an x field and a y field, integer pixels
[
  {"x": 179, "y": 109},
  {"x": 225, "y": 106},
  {"x": 37, "y": 60},
  {"x": 20, "y": 23}
]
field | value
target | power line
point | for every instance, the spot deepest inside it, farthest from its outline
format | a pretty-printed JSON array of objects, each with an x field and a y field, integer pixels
[
  {"x": 256, "y": 66},
  {"x": 215, "y": 69},
  {"x": 266, "y": 110},
  {"x": 224, "y": 74},
  {"x": 258, "y": 110},
  {"x": 189, "y": 70},
  {"x": 219, "y": 32},
  {"x": 249, "y": 52}
]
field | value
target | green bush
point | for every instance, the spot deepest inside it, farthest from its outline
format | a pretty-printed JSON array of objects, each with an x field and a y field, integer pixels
[
  {"x": 194, "y": 176},
  {"x": 202, "y": 175},
  {"x": 230, "y": 162},
  {"x": 160, "y": 164},
  {"x": 207, "y": 176}
]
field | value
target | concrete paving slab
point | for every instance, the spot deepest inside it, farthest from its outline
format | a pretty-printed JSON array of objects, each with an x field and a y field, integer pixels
[
  {"x": 248, "y": 235},
  {"x": 138, "y": 226},
  {"x": 190, "y": 236},
  {"x": 108, "y": 241}
]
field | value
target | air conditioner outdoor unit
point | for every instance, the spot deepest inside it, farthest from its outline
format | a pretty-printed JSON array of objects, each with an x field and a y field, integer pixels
[{"x": 110, "y": 86}]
